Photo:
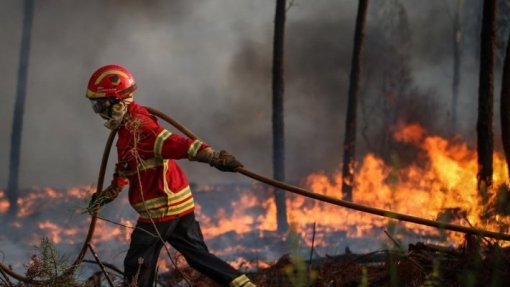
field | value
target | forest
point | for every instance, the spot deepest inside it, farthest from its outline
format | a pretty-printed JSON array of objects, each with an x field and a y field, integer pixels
[{"x": 373, "y": 140}]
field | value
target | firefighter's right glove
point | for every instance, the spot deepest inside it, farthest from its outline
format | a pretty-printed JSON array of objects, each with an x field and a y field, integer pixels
[
  {"x": 221, "y": 160},
  {"x": 103, "y": 197}
]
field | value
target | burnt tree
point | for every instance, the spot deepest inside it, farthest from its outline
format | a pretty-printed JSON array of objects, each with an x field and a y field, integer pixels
[
  {"x": 485, "y": 141},
  {"x": 278, "y": 124},
  {"x": 19, "y": 107},
  {"x": 457, "y": 52},
  {"x": 350, "y": 121},
  {"x": 396, "y": 95},
  {"x": 505, "y": 105}
]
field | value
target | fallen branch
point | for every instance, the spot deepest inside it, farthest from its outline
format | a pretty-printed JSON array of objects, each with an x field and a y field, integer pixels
[
  {"x": 110, "y": 282},
  {"x": 5, "y": 279},
  {"x": 311, "y": 248},
  {"x": 397, "y": 244}
]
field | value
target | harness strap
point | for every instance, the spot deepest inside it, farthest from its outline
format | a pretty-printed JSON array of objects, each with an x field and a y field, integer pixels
[{"x": 144, "y": 165}]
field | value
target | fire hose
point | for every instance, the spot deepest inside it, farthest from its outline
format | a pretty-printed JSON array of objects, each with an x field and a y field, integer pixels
[
  {"x": 344, "y": 203},
  {"x": 271, "y": 182}
]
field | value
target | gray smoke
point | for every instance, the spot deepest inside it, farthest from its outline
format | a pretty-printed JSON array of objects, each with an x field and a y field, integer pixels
[{"x": 208, "y": 64}]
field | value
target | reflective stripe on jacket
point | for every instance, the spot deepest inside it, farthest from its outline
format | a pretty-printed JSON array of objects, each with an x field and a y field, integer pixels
[{"x": 158, "y": 188}]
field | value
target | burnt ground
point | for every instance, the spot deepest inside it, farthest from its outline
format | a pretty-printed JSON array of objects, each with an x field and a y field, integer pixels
[
  {"x": 477, "y": 262},
  {"x": 473, "y": 264}
]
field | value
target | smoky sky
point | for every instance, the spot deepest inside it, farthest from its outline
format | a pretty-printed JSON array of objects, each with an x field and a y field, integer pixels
[{"x": 208, "y": 64}]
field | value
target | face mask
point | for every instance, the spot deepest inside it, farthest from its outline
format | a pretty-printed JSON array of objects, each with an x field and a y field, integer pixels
[
  {"x": 117, "y": 113},
  {"x": 112, "y": 111}
]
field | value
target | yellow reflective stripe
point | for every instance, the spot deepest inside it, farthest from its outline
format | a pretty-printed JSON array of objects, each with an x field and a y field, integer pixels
[
  {"x": 181, "y": 194},
  {"x": 166, "y": 189},
  {"x": 151, "y": 203},
  {"x": 94, "y": 95},
  {"x": 158, "y": 144},
  {"x": 167, "y": 210},
  {"x": 111, "y": 72},
  {"x": 162, "y": 200},
  {"x": 193, "y": 149},
  {"x": 239, "y": 281}
]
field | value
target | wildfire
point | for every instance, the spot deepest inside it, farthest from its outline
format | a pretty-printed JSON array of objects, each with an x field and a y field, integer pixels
[
  {"x": 444, "y": 180},
  {"x": 441, "y": 184}
]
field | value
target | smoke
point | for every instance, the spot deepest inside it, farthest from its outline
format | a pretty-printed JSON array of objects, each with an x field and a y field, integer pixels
[
  {"x": 208, "y": 64},
  {"x": 407, "y": 75},
  {"x": 174, "y": 48}
]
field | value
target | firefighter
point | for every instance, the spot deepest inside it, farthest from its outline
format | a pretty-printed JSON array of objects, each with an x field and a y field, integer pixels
[{"x": 158, "y": 189}]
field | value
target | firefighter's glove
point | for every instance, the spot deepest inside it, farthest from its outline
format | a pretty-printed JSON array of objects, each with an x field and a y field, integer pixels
[
  {"x": 103, "y": 197},
  {"x": 221, "y": 160},
  {"x": 224, "y": 161}
]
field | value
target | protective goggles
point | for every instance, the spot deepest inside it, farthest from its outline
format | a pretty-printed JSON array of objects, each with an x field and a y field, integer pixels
[{"x": 102, "y": 106}]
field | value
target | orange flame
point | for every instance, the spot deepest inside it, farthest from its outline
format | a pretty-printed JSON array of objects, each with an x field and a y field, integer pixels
[
  {"x": 4, "y": 203},
  {"x": 57, "y": 234},
  {"x": 444, "y": 179}
]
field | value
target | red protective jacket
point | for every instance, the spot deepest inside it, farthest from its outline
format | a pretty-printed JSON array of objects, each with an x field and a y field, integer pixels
[{"x": 157, "y": 186}]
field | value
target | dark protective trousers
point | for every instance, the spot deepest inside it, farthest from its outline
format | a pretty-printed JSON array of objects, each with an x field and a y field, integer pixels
[{"x": 185, "y": 236}]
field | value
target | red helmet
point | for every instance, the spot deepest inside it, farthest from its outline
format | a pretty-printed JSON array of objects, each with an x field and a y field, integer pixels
[{"x": 111, "y": 81}]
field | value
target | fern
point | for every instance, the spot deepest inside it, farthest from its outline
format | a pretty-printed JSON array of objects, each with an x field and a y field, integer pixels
[{"x": 47, "y": 265}]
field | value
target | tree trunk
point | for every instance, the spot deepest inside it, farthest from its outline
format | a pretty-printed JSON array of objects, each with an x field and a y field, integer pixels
[
  {"x": 457, "y": 36},
  {"x": 350, "y": 122},
  {"x": 278, "y": 124},
  {"x": 486, "y": 97},
  {"x": 505, "y": 105},
  {"x": 19, "y": 107}
]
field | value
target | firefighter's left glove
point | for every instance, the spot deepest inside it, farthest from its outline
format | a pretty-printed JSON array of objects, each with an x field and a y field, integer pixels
[
  {"x": 224, "y": 161},
  {"x": 103, "y": 197},
  {"x": 221, "y": 160}
]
